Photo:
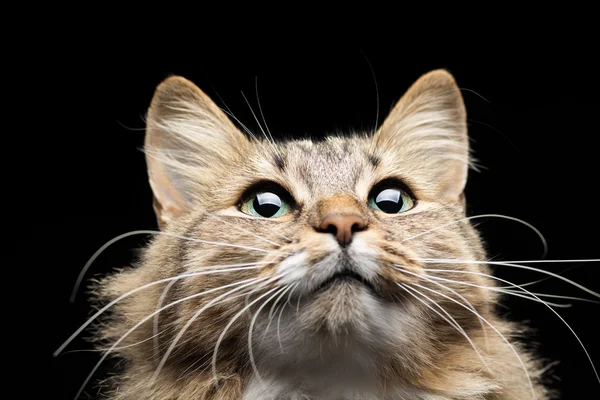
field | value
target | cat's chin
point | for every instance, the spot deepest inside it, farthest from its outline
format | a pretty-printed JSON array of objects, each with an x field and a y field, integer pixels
[
  {"x": 343, "y": 326},
  {"x": 346, "y": 277},
  {"x": 341, "y": 306}
]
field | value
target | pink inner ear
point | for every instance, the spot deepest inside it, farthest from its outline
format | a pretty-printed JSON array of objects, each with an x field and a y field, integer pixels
[
  {"x": 168, "y": 201},
  {"x": 454, "y": 189}
]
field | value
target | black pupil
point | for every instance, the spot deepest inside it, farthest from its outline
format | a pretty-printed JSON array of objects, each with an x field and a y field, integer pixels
[
  {"x": 267, "y": 204},
  {"x": 389, "y": 201}
]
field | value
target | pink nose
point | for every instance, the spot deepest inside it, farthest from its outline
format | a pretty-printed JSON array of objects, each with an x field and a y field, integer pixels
[{"x": 342, "y": 226}]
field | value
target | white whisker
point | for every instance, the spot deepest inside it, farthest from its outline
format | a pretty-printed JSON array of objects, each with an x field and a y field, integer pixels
[
  {"x": 463, "y": 298},
  {"x": 273, "y": 310},
  {"x": 491, "y": 288},
  {"x": 231, "y": 321},
  {"x": 475, "y": 93},
  {"x": 250, "y": 329},
  {"x": 189, "y": 323},
  {"x": 506, "y": 264},
  {"x": 539, "y": 261},
  {"x": 452, "y": 322},
  {"x": 243, "y": 284},
  {"x": 97, "y": 350},
  {"x": 548, "y": 305},
  {"x": 556, "y": 296},
  {"x": 526, "y": 284},
  {"x": 229, "y": 112},
  {"x": 244, "y": 127},
  {"x": 261, "y": 111},
  {"x": 548, "y": 277},
  {"x": 131, "y": 292},
  {"x": 143, "y": 232},
  {"x": 272, "y": 144},
  {"x": 165, "y": 291},
  {"x": 298, "y": 304},
  {"x": 281, "y": 312},
  {"x": 493, "y": 328},
  {"x": 543, "y": 239}
]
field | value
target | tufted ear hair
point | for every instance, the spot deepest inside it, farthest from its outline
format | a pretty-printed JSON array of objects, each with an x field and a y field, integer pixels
[
  {"x": 426, "y": 132},
  {"x": 189, "y": 141}
]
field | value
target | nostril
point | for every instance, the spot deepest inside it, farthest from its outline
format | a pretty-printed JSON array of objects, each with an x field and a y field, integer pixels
[
  {"x": 331, "y": 228},
  {"x": 343, "y": 227},
  {"x": 357, "y": 227}
]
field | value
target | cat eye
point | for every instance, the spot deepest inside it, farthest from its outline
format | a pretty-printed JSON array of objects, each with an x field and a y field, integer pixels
[
  {"x": 266, "y": 204},
  {"x": 390, "y": 200}
]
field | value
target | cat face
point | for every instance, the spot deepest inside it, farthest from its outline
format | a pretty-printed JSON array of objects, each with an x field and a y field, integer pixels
[
  {"x": 336, "y": 254},
  {"x": 308, "y": 253}
]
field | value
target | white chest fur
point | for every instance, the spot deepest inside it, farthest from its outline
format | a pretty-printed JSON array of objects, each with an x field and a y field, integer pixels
[{"x": 282, "y": 390}]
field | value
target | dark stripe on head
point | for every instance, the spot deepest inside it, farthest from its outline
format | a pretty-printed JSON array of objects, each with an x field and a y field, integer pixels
[
  {"x": 346, "y": 147},
  {"x": 279, "y": 162},
  {"x": 374, "y": 160}
]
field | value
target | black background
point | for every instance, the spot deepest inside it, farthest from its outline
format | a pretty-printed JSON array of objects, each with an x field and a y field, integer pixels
[{"x": 535, "y": 134}]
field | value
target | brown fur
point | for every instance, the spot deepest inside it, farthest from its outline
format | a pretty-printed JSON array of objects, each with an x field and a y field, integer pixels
[{"x": 200, "y": 166}]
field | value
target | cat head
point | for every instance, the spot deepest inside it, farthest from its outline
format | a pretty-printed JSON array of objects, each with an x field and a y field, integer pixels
[
  {"x": 322, "y": 239},
  {"x": 192, "y": 147}
]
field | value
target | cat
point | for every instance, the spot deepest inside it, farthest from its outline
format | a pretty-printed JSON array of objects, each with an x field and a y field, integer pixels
[{"x": 305, "y": 269}]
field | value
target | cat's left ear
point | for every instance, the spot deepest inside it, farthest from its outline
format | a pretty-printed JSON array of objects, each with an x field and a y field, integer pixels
[{"x": 425, "y": 135}]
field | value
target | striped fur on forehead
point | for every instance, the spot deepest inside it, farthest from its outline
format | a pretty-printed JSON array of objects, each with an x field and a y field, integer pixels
[{"x": 327, "y": 167}]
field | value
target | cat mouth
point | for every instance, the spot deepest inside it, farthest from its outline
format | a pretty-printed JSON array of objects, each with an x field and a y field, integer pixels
[{"x": 345, "y": 276}]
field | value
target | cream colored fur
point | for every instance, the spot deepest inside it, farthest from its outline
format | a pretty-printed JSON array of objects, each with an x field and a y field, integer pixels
[{"x": 344, "y": 343}]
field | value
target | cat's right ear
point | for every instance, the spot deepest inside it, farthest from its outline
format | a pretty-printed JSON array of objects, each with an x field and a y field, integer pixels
[{"x": 189, "y": 141}]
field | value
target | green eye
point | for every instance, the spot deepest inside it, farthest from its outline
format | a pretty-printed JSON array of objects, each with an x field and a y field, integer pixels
[
  {"x": 390, "y": 200},
  {"x": 265, "y": 204}
]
